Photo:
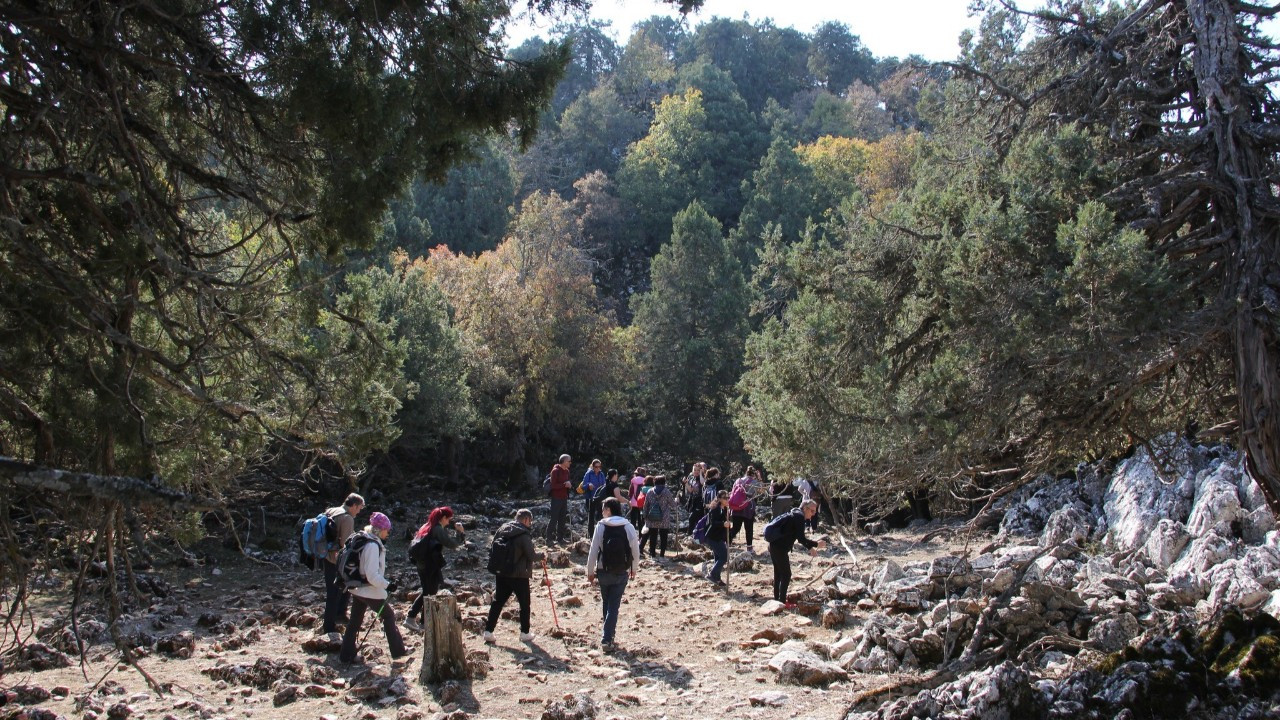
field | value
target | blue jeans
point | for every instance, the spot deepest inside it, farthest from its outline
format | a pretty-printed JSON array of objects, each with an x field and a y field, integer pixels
[
  {"x": 611, "y": 587},
  {"x": 720, "y": 552}
]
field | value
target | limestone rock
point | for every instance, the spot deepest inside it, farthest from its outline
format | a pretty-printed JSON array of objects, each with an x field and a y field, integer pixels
[
  {"x": 797, "y": 665},
  {"x": 1112, "y": 634},
  {"x": 771, "y": 607},
  {"x": 772, "y": 698},
  {"x": 999, "y": 693},
  {"x": 1165, "y": 543},
  {"x": 1141, "y": 493},
  {"x": 1233, "y": 583},
  {"x": 888, "y": 573},
  {"x": 1217, "y": 505},
  {"x": 1070, "y": 524}
]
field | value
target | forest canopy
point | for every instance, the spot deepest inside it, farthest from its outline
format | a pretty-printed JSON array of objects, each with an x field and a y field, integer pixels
[{"x": 368, "y": 232}]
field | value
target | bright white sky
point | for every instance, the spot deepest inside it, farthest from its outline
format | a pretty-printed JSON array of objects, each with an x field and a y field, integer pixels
[{"x": 928, "y": 28}]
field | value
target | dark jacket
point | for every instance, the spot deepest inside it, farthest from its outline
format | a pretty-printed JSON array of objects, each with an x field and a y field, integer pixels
[
  {"x": 792, "y": 526},
  {"x": 715, "y": 524},
  {"x": 525, "y": 554},
  {"x": 441, "y": 537}
]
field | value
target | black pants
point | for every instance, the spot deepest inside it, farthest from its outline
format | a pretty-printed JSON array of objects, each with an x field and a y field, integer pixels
[
  {"x": 781, "y": 571},
  {"x": 637, "y": 518},
  {"x": 594, "y": 514},
  {"x": 738, "y": 522},
  {"x": 335, "y": 599},
  {"x": 504, "y": 588},
  {"x": 695, "y": 514},
  {"x": 431, "y": 575},
  {"x": 383, "y": 611},
  {"x": 656, "y": 536}
]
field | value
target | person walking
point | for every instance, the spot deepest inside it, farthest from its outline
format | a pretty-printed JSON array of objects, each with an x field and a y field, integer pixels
[
  {"x": 592, "y": 480},
  {"x": 695, "y": 504},
  {"x": 782, "y": 534},
  {"x": 611, "y": 489},
  {"x": 717, "y": 538},
  {"x": 633, "y": 498},
  {"x": 336, "y": 599},
  {"x": 517, "y": 538},
  {"x": 614, "y": 558},
  {"x": 742, "y": 506},
  {"x": 373, "y": 592},
  {"x": 427, "y": 553},
  {"x": 558, "y": 523},
  {"x": 659, "y": 516}
]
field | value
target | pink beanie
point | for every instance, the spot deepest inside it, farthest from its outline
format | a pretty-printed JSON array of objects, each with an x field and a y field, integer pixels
[{"x": 378, "y": 521}]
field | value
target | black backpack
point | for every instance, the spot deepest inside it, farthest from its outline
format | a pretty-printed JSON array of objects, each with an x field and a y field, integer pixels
[
  {"x": 774, "y": 531},
  {"x": 615, "y": 550},
  {"x": 420, "y": 549},
  {"x": 502, "y": 554},
  {"x": 349, "y": 560}
]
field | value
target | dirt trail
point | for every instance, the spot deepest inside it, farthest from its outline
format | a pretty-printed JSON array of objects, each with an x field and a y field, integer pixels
[{"x": 685, "y": 649}]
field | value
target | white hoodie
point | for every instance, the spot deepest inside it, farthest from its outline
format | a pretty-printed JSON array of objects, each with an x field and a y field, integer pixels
[
  {"x": 373, "y": 566},
  {"x": 597, "y": 542}
]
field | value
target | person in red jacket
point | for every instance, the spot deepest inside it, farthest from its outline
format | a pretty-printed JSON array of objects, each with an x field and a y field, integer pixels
[{"x": 558, "y": 523}]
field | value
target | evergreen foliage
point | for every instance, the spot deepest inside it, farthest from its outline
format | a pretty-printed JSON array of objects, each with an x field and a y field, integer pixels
[{"x": 694, "y": 318}]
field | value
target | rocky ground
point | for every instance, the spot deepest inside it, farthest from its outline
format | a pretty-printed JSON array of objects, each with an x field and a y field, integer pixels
[{"x": 1147, "y": 589}]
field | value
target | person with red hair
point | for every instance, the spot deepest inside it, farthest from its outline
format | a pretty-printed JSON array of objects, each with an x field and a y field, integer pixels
[{"x": 427, "y": 553}]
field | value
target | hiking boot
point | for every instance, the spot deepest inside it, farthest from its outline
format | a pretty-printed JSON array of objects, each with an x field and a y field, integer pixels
[
  {"x": 412, "y": 624},
  {"x": 606, "y": 645},
  {"x": 526, "y": 637},
  {"x": 489, "y": 639},
  {"x": 789, "y": 606}
]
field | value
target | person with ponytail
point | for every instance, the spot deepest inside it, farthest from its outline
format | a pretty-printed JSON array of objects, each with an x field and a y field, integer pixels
[{"x": 427, "y": 553}]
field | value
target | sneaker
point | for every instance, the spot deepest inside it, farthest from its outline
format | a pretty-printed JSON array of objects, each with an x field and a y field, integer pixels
[
  {"x": 606, "y": 645},
  {"x": 333, "y": 637},
  {"x": 526, "y": 637},
  {"x": 489, "y": 639},
  {"x": 717, "y": 582},
  {"x": 413, "y": 624}
]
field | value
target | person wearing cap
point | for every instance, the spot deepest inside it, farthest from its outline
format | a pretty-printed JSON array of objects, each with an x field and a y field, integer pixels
[{"x": 373, "y": 593}]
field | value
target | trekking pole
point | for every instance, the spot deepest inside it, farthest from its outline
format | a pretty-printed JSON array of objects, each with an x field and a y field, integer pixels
[
  {"x": 376, "y": 617},
  {"x": 550, "y": 595}
]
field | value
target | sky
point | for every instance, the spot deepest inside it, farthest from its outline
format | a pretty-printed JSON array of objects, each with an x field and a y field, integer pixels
[{"x": 928, "y": 28}]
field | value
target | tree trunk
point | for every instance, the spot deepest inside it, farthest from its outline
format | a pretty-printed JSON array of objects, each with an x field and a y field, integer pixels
[
  {"x": 442, "y": 654},
  {"x": 1256, "y": 245}
]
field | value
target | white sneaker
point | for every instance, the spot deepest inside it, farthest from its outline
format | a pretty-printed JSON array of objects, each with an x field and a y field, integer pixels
[
  {"x": 526, "y": 637},
  {"x": 489, "y": 639}
]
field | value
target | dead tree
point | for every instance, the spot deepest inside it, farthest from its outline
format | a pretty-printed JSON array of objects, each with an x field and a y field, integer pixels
[{"x": 442, "y": 653}]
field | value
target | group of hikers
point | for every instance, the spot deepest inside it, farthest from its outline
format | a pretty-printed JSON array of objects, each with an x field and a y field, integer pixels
[{"x": 623, "y": 521}]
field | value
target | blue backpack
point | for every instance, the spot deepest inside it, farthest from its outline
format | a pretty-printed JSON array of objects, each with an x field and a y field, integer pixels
[
  {"x": 700, "y": 530},
  {"x": 319, "y": 534}
]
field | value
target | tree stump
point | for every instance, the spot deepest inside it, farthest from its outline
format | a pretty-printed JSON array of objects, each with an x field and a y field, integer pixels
[{"x": 442, "y": 654}]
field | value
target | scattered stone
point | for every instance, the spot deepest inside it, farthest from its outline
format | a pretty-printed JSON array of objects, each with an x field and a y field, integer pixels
[
  {"x": 771, "y": 607},
  {"x": 179, "y": 645},
  {"x": 576, "y": 706},
  {"x": 285, "y": 695},
  {"x": 323, "y": 643},
  {"x": 795, "y": 664},
  {"x": 769, "y": 699}
]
